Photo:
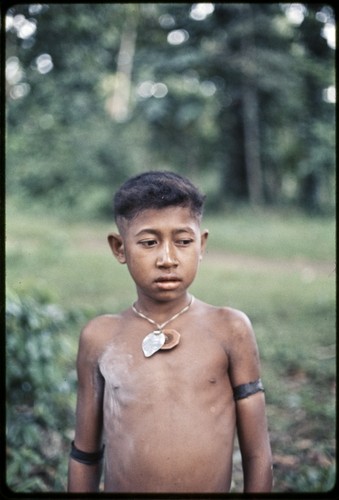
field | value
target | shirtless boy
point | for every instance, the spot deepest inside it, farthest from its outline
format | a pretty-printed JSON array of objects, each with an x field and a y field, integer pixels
[{"x": 164, "y": 386}]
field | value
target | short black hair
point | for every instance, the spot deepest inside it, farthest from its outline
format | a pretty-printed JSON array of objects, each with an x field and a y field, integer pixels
[{"x": 156, "y": 189}]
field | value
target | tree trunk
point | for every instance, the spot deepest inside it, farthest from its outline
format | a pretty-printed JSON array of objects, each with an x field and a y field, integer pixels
[
  {"x": 119, "y": 104},
  {"x": 250, "y": 114}
]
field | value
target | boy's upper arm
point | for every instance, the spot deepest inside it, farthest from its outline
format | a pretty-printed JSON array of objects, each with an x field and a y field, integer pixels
[
  {"x": 89, "y": 412},
  {"x": 244, "y": 363},
  {"x": 244, "y": 367}
]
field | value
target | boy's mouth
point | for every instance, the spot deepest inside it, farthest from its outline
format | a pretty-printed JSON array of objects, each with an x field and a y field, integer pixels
[
  {"x": 166, "y": 279},
  {"x": 167, "y": 282}
]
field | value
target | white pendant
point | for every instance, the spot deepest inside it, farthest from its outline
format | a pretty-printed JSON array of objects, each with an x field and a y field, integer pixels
[{"x": 152, "y": 343}]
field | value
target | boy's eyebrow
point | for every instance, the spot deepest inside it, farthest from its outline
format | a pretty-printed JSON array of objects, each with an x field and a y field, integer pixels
[
  {"x": 147, "y": 230},
  {"x": 185, "y": 229}
]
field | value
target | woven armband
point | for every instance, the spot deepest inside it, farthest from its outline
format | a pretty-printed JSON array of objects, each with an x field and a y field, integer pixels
[
  {"x": 245, "y": 390},
  {"x": 86, "y": 458}
]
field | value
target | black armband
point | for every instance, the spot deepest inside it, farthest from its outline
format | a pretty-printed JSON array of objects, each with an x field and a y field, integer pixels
[
  {"x": 86, "y": 458},
  {"x": 245, "y": 390}
]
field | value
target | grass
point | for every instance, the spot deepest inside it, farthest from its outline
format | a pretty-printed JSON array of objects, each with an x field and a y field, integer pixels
[
  {"x": 274, "y": 235},
  {"x": 277, "y": 267}
]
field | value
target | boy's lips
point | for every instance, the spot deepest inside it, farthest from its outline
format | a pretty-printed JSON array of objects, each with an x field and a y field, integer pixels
[
  {"x": 167, "y": 278},
  {"x": 168, "y": 282}
]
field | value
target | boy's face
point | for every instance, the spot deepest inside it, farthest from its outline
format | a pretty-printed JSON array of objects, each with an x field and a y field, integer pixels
[{"x": 162, "y": 249}]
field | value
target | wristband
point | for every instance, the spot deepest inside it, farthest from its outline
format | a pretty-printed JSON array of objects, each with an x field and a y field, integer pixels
[{"x": 86, "y": 458}]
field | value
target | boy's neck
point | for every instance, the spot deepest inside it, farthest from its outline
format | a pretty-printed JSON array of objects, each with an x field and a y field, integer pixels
[{"x": 159, "y": 311}]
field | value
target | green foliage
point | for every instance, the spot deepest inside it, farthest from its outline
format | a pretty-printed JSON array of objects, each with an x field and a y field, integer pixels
[
  {"x": 40, "y": 386},
  {"x": 313, "y": 479},
  {"x": 68, "y": 149}
]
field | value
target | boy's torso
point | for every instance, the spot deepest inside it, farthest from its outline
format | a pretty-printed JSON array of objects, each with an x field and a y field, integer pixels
[{"x": 169, "y": 419}]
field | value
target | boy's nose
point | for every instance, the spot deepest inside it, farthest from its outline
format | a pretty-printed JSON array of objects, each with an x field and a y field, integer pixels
[{"x": 167, "y": 257}]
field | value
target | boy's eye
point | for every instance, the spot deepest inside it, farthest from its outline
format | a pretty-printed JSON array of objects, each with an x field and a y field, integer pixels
[
  {"x": 148, "y": 243},
  {"x": 184, "y": 242}
]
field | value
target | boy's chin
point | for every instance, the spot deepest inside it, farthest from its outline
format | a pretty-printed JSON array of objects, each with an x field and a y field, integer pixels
[{"x": 163, "y": 294}]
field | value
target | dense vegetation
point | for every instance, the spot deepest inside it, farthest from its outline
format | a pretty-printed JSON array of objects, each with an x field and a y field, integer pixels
[
  {"x": 240, "y": 97},
  {"x": 40, "y": 394}
]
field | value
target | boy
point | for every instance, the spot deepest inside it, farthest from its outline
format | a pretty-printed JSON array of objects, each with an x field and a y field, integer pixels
[{"x": 166, "y": 383}]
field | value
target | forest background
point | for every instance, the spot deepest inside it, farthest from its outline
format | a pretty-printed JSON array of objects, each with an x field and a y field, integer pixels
[{"x": 239, "y": 97}]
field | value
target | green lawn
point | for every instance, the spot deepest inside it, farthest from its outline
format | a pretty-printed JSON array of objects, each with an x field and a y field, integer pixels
[{"x": 277, "y": 267}]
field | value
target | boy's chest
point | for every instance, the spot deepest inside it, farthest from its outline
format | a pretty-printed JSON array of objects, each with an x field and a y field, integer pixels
[{"x": 199, "y": 362}]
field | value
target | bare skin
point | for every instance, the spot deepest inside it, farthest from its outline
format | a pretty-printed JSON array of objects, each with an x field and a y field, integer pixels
[{"x": 168, "y": 421}]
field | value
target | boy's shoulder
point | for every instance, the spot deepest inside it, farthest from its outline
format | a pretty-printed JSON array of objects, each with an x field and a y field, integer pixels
[
  {"x": 235, "y": 317},
  {"x": 231, "y": 321},
  {"x": 100, "y": 324},
  {"x": 99, "y": 330},
  {"x": 96, "y": 335}
]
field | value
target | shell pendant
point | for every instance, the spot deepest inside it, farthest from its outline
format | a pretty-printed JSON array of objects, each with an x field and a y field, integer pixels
[
  {"x": 156, "y": 340},
  {"x": 153, "y": 342}
]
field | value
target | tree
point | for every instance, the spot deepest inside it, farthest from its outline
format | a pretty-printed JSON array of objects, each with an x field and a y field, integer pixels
[{"x": 233, "y": 91}]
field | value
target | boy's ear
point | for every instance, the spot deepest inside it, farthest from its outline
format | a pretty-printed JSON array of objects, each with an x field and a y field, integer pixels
[
  {"x": 116, "y": 243},
  {"x": 204, "y": 237}
]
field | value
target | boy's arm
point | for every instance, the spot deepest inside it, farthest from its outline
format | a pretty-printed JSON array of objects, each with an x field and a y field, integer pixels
[
  {"x": 89, "y": 415},
  {"x": 251, "y": 416},
  {"x": 254, "y": 444}
]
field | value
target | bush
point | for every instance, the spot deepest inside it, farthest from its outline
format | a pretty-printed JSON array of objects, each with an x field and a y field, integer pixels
[{"x": 40, "y": 384}]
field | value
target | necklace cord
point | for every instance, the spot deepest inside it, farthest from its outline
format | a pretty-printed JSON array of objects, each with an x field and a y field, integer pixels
[{"x": 160, "y": 327}]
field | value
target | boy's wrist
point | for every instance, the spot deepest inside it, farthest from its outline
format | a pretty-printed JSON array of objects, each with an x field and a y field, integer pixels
[{"x": 84, "y": 457}]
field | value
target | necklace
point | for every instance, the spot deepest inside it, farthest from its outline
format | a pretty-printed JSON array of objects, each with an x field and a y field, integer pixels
[{"x": 160, "y": 338}]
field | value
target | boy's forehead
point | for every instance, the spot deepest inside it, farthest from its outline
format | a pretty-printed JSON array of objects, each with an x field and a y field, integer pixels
[{"x": 174, "y": 216}]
